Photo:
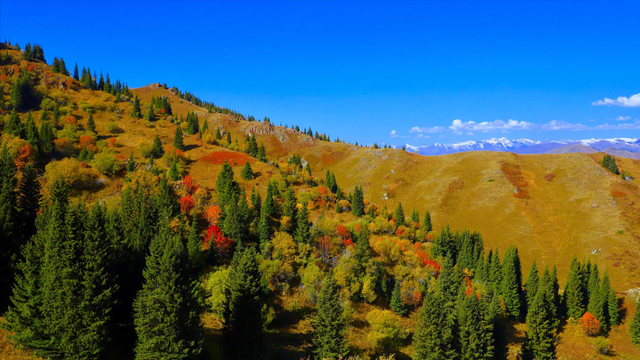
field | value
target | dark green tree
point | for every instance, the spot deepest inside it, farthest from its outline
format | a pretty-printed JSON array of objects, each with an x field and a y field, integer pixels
[
  {"x": 475, "y": 330},
  {"x": 156, "y": 150},
  {"x": 531, "y": 285},
  {"x": 433, "y": 337},
  {"x": 13, "y": 125},
  {"x": 262, "y": 154},
  {"x": 357, "y": 202},
  {"x": 226, "y": 186},
  {"x": 247, "y": 172},
  {"x": 91, "y": 124},
  {"x": 166, "y": 313},
  {"x": 242, "y": 333},
  {"x": 396, "y": 300},
  {"x": 174, "y": 173},
  {"x": 329, "y": 324},
  {"x": 33, "y": 137},
  {"x": 23, "y": 94},
  {"x": 541, "y": 323},
  {"x": 399, "y": 215},
  {"x": 634, "y": 327},
  {"x": 136, "y": 112},
  {"x": 177, "y": 139},
  {"x": 10, "y": 235},
  {"x": 511, "y": 285},
  {"x": 574, "y": 293},
  {"x": 302, "y": 234}
]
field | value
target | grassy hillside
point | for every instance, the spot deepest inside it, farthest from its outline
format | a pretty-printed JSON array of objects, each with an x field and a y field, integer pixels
[{"x": 551, "y": 206}]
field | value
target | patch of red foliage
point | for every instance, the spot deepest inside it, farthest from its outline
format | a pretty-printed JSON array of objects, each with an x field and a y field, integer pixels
[
  {"x": 617, "y": 194},
  {"x": 455, "y": 185},
  {"x": 212, "y": 214},
  {"x": 221, "y": 243},
  {"x": 549, "y": 177},
  {"x": 26, "y": 154},
  {"x": 399, "y": 232},
  {"x": 325, "y": 247},
  {"x": 187, "y": 204},
  {"x": 232, "y": 157},
  {"x": 189, "y": 185},
  {"x": 514, "y": 175}
]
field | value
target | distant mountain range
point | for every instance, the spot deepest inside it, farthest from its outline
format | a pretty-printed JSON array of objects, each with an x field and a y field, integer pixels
[{"x": 625, "y": 147}]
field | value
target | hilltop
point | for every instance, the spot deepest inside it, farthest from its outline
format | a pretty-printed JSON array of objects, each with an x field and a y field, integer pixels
[{"x": 551, "y": 206}]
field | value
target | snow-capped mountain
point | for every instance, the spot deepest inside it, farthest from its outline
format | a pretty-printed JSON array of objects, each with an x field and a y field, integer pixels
[{"x": 526, "y": 146}]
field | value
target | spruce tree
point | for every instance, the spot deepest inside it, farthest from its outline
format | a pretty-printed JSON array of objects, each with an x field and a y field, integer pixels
[
  {"x": 357, "y": 202},
  {"x": 231, "y": 225},
  {"x": 247, "y": 172},
  {"x": 10, "y": 236},
  {"x": 226, "y": 186},
  {"x": 531, "y": 285},
  {"x": 32, "y": 132},
  {"x": 541, "y": 324},
  {"x": 174, "y": 173},
  {"x": 76, "y": 77},
  {"x": 177, "y": 139},
  {"x": 156, "y": 150},
  {"x": 166, "y": 313},
  {"x": 574, "y": 293},
  {"x": 475, "y": 332},
  {"x": 136, "y": 112},
  {"x": 511, "y": 285},
  {"x": 28, "y": 201},
  {"x": 613, "y": 309},
  {"x": 262, "y": 154},
  {"x": 194, "y": 250},
  {"x": 46, "y": 136},
  {"x": 597, "y": 301},
  {"x": 432, "y": 339},
  {"x": 396, "y": 300},
  {"x": 13, "y": 125},
  {"x": 329, "y": 324},
  {"x": 634, "y": 327},
  {"x": 302, "y": 233},
  {"x": 91, "y": 124},
  {"x": 263, "y": 230},
  {"x": 242, "y": 332},
  {"x": 399, "y": 215}
]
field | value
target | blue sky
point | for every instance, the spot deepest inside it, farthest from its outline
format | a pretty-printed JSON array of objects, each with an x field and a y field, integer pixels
[{"x": 386, "y": 72}]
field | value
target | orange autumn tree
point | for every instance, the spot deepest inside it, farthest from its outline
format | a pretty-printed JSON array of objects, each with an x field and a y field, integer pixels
[
  {"x": 212, "y": 214},
  {"x": 215, "y": 239},
  {"x": 187, "y": 204},
  {"x": 590, "y": 324}
]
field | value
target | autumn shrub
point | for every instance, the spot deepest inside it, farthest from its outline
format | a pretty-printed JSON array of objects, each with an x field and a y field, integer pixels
[
  {"x": 113, "y": 128},
  {"x": 589, "y": 324},
  {"x": 146, "y": 149},
  {"x": 549, "y": 177},
  {"x": 514, "y": 175},
  {"x": 71, "y": 170},
  {"x": 215, "y": 288},
  {"x": 386, "y": 334},
  {"x": 106, "y": 163},
  {"x": 212, "y": 214},
  {"x": 311, "y": 278},
  {"x": 68, "y": 132},
  {"x": 601, "y": 345},
  {"x": 187, "y": 204},
  {"x": 26, "y": 154}
]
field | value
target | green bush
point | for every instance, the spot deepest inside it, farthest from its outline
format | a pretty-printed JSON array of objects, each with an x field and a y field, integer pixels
[
  {"x": 106, "y": 163},
  {"x": 113, "y": 128},
  {"x": 215, "y": 289}
]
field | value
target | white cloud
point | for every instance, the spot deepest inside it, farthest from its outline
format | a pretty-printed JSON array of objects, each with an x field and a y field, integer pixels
[
  {"x": 562, "y": 125},
  {"x": 458, "y": 126},
  {"x": 393, "y": 133},
  {"x": 430, "y": 130},
  {"x": 623, "y": 118},
  {"x": 632, "y": 101},
  {"x": 627, "y": 126}
]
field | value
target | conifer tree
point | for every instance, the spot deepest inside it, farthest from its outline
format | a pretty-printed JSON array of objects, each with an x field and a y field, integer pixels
[
  {"x": 396, "y": 300},
  {"x": 194, "y": 250},
  {"x": 242, "y": 314},
  {"x": 131, "y": 164},
  {"x": 263, "y": 230},
  {"x": 75, "y": 73},
  {"x": 46, "y": 136},
  {"x": 226, "y": 186},
  {"x": 136, "y": 112},
  {"x": 204, "y": 127},
  {"x": 13, "y": 125},
  {"x": 291, "y": 208},
  {"x": 574, "y": 293},
  {"x": 302, "y": 233},
  {"x": 156, "y": 150},
  {"x": 399, "y": 215},
  {"x": 166, "y": 313},
  {"x": 177, "y": 139},
  {"x": 91, "y": 124},
  {"x": 10, "y": 237},
  {"x": 247, "y": 172},
  {"x": 174, "y": 173},
  {"x": 593, "y": 282},
  {"x": 32, "y": 132},
  {"x": 231, "y": 225},
  {"x": 357, "y": 202},
  {"x": 541, "y": 324},
  {"x": 511, "y": 285},
  {"x": 432, "y": 339},
  {"x": 28, "y": 201},
  {"x": 634, "y": 327},
  {"x": 531, "y": 285},
  {"x": 262, "y": 154},
  {"x": 475, "y": 331},
  {"x": 329, "y": 324},
  {"x": 495, "y": 270},
  {"x": 610, "y": 300}
]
